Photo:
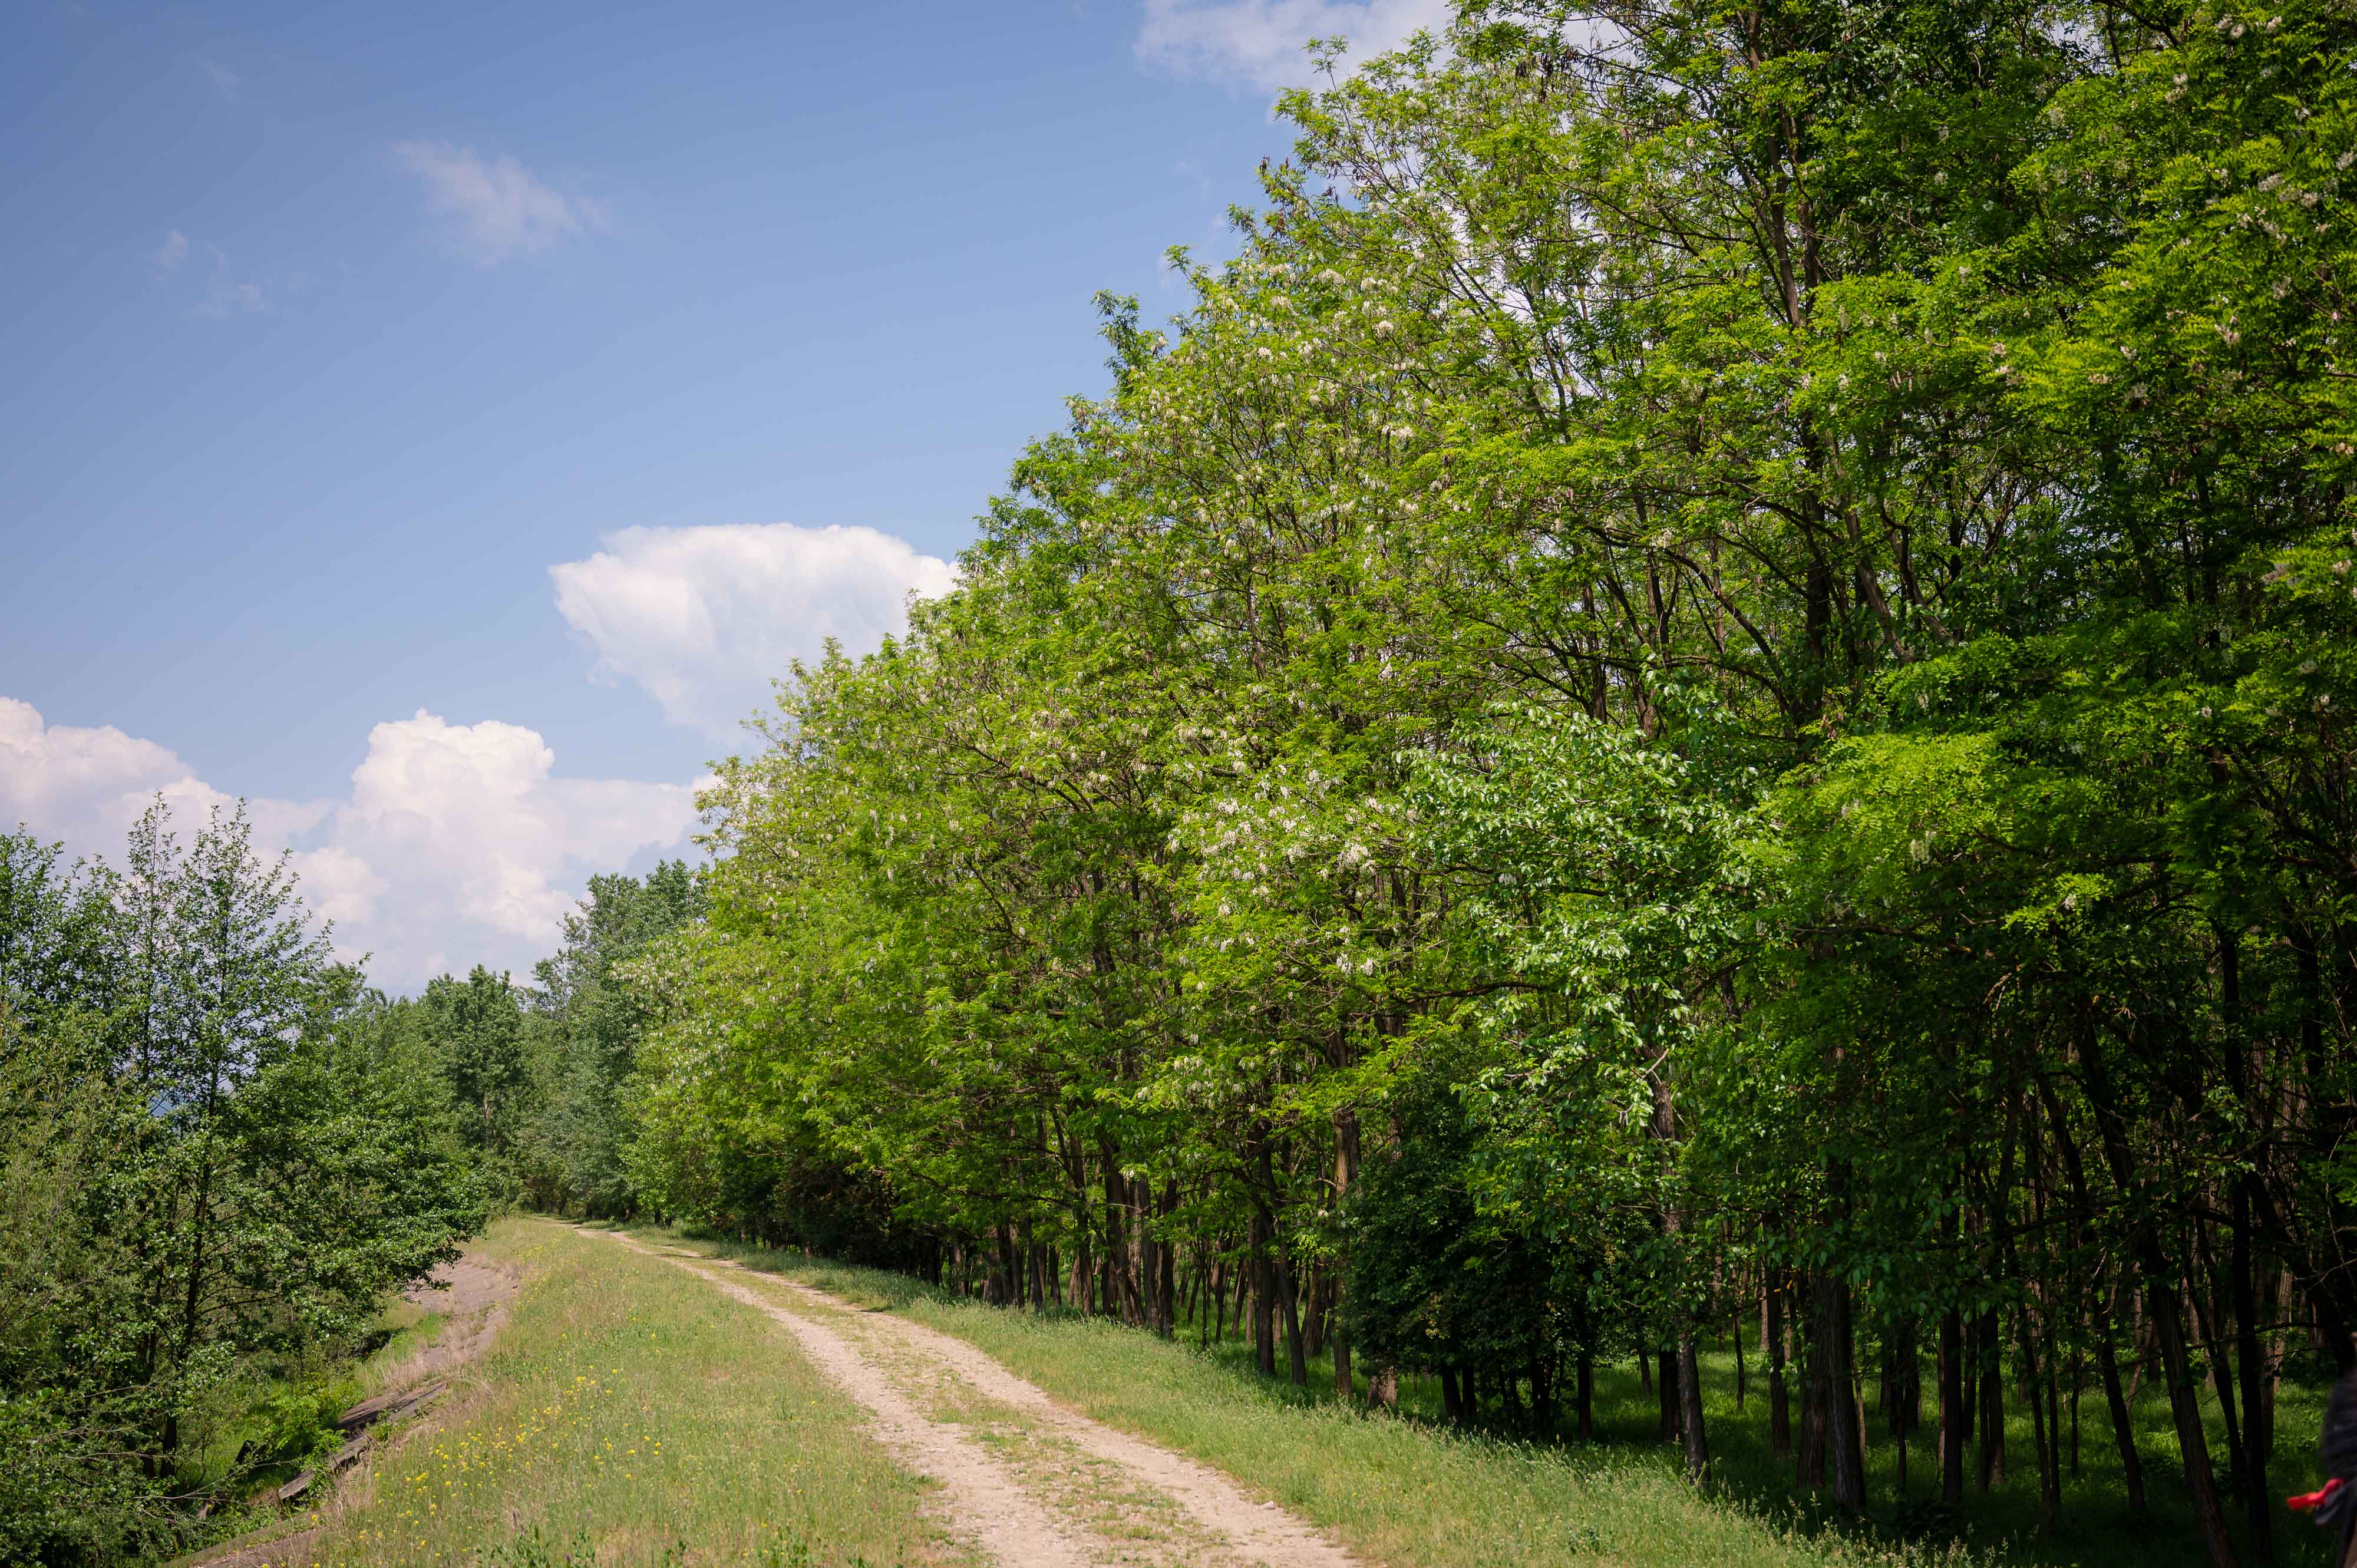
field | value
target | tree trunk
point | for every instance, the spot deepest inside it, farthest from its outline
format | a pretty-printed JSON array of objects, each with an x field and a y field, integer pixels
[
  {"x": 1772, "y": 1335},
  {"x": 1902, "y": 1398},
  {"x": 2258, "y": 1435},
  {"x": 2107, "y": 1312},
  {"x": 1844, "y": 1427},
  {"x": 1010, "y": 1260},
  {"x": 1297, "y": 1362},
  {"x": 1120, "y": 1283},
  {"x": 1263, "y": 1311},
  {"x": 1816, "y": 1401},
  {"x": 1145, "y": 1257},
  {"x": 2123, "y": 1423},
  {"x": 1690, "y": 1406},
  {"x": 1346, "y": 1175},
  {"x": 1955, "y": 1419},
  {"x": 2221, "y": 1382},
  {"x": 1276, "y": 1273},
  {"x": 1737, "y": 1324},
  {"x": 2078, "y": 1387},
  {"x": 2042, "y": 1432},
  {"x": 2163, "y": 1315},
  {"x": 2250, "y": 1363},
  {"x": 1990, "y": 1375},
  {"x": 2326, "y": 1284},
  {"x": 2168, "y": 1319}
]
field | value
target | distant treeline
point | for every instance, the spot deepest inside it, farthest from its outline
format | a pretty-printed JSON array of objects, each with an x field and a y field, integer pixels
[
  {"x": 536, "y": 1072},
  {"x": 1711, "y": 683}
]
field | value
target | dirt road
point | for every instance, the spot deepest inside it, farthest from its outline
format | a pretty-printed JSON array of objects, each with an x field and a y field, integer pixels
[{"x": 1024, "y": 1481}]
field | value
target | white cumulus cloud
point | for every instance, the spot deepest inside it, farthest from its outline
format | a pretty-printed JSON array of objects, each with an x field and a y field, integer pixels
[
  {"x": 171, "y": 253},
  {"x": 458, "y": 843},
  {"x": 704, "y": 618},
  {"x": 86, "y": 787},
  {"x": 1259, "y": 43},
  {"x": 496, "y": 209},
  {"x": 459, "y": 839}
]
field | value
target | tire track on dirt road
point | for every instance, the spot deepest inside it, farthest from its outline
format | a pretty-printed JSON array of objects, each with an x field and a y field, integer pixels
[
  {"x": 902, "y": 1366},
  {"x": 986, "y": 1506}
]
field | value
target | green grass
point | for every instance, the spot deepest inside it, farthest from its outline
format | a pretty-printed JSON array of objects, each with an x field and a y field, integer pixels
[
  {"x": 629, "y": 1413},
  {"x": 259, "y": 1432},
  {"x": 409, "y": 1329},
  {"x": 1409, "y": 1491}
]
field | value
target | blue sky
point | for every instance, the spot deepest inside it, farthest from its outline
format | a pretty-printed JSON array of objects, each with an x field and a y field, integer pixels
[{"x": 458, "y": 399}]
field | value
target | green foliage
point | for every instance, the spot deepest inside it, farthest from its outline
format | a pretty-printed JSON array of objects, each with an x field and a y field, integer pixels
[
  {"x": 477, "y": 1026},
  {"x": 532, "y": 1080},
  {"x": 1436, "y": 1281},
  {"x": 589, "y": 1024},
  {"x": 207, "y": 1177},
  {"x": 534, "y": 1549},
  {"x": 1709, "y": 678}
]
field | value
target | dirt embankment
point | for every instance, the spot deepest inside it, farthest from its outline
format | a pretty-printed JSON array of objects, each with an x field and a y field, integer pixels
[{"x": 473, "y": 1297}]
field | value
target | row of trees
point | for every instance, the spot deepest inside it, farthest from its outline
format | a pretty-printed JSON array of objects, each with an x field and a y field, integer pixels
[
  {"x": 535, "y": 1075},
  {"x": 1711, "y": 677},
  {"x": 213, "y": 1169},
  {"x": 220, "y": 1150}
]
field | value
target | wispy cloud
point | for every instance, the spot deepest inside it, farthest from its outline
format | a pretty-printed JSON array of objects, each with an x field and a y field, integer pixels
[
  {"x": 497, "y": 209},
  {"x": 224, "y": 295},
  {"x": 225, "y": 81},
  {"x": 1260, "y": 43}
]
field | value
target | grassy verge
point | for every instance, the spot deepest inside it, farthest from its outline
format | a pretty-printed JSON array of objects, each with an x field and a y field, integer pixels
[
  {"x": 1408, "y": 1491},
  {"x": 629, "y": 1413}
]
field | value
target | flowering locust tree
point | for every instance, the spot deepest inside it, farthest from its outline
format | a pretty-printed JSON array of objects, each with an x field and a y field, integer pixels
[{"x": 1704, "y": 690}]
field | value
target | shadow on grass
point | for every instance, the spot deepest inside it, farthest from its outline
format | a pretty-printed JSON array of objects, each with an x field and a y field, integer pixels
[{"x": 2001, "y": 1526}]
